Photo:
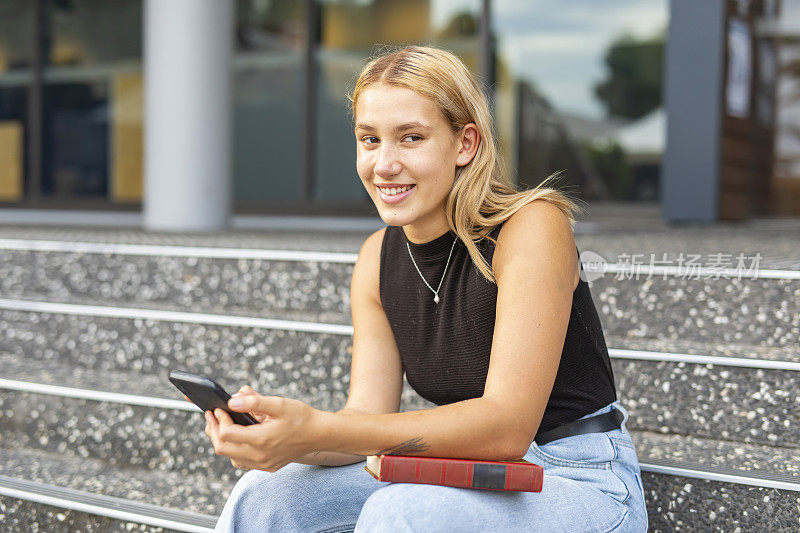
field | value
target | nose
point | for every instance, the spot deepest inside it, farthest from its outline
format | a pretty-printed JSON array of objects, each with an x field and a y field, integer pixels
[{"x": 387, "y": 164}]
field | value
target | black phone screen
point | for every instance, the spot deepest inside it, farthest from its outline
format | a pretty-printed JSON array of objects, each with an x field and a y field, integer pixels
[{"x": 207, "y": 394}]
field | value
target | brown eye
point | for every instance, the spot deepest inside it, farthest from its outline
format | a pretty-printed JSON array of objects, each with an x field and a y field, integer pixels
[
  {"x": 413, "y": 137},
  {"x": 369, "y": 139}
]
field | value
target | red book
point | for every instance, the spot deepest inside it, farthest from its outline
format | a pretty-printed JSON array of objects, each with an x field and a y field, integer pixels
[{"x": 466, "y": 473}]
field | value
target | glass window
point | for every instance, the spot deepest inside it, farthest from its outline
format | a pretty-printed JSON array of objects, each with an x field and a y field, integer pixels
[
  {"x": 350, "y": 31},
  {"x": 16, "y": 55},
  {"x": 92, "y": 92},
  {"x": 579, "y": 89},
  {"x": 778, "y": 103},
  {"x": 269, "y": 83}
]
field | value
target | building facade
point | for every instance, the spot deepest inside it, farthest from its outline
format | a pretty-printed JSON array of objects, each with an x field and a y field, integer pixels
[{"x": 579, "y": 89}]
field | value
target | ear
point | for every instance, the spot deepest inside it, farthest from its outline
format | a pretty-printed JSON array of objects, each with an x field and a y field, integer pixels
[{"x": 468, "y": 138}]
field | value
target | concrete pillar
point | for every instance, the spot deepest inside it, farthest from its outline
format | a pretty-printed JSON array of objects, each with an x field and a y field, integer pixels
[
  {"x": 188, "y": 48},
  {"x": 693, "y": 95}
]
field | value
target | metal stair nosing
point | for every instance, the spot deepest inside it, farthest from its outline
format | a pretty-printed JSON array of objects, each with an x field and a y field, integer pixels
[
  {"x": 722, "y": 474},
  {"x": 107, "y": 506}
]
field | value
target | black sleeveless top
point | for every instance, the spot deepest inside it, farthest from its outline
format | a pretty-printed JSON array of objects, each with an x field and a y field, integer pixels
[{"x": 445, "y": 347}]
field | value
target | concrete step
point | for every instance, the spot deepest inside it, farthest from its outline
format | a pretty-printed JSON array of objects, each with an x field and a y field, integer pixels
[
  {"x": 757, "y": 312},
  {"x": 703, "y": 306},
  {"x": 691, "y": 485},
  {"x": 697, "y": 484},
  {"x": 121, "y": 417},
  {"x": 232, "y": 281},
  {"x": 299, "y": 364},
  {"x": 775, "y": 240},
  {"x": 752, "y": 403},
  {"x": 122, "y": 435},
  {"x": 42, "y": 491},
  {"x": 127, "y": 417}
]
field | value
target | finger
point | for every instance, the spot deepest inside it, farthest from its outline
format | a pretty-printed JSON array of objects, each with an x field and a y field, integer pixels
[
  {"x": 220, "y": 423},
  {"x": 243, "y": 403},
  {"x": 247, "y": 389},
  {"x": 269, "y": 405},
  {"x": 233, "y": 450},
  {"x": 212, "y": 430},
  {"x": 212, "y": 426},
  {"x": 229, "y": 431}
]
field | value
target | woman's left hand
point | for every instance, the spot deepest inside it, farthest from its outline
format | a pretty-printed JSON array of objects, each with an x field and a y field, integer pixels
[{"x": 285, "y": 431}]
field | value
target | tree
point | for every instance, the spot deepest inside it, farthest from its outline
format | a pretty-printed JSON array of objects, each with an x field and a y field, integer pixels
[{"x": 635, "y": 72}]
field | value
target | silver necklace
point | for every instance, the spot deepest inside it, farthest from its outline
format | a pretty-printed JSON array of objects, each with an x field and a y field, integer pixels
[{"x": 435, "y": 292}]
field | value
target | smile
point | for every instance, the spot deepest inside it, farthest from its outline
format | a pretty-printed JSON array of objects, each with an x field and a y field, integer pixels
[{"x": 394, "y": 194}]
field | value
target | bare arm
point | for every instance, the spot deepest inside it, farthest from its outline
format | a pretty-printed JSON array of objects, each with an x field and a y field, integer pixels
[
  {"x": 376, "y": 375},
  {"x": 332, "y": 458}
]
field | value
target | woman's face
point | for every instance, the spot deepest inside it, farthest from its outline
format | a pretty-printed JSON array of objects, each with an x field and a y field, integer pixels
[{"x": 407, "y": 156}]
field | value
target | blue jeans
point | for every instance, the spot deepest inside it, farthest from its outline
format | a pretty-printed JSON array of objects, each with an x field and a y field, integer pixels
[{"x": 592, "y": 483}]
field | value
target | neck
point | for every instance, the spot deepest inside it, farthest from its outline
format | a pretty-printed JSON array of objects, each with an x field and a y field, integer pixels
[{"x": 421, "y": 232}]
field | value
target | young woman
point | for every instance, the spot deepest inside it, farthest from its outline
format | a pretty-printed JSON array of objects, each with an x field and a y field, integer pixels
[{"x": 474, "y": 291}]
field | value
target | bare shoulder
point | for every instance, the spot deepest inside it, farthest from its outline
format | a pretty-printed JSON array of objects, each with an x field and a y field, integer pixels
[
  {"x": 538, "y": 218},
  {"x": 541, "y": 234},
  {"x": 371, "y": 249},
  {"x": 366, "y": 272}
]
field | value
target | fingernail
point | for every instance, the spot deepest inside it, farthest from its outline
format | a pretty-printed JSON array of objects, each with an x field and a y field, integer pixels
[{"x": 235, "y": 402}]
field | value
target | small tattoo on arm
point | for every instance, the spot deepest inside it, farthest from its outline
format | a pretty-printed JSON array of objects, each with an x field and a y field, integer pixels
[{"x": 406, "y": 448}]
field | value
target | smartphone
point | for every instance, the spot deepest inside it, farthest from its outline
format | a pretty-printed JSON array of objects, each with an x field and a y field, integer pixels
[{"x": 206, "y": 394}]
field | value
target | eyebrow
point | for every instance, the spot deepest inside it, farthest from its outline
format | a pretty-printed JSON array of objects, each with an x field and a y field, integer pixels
[{"x": 400, "y": 127}]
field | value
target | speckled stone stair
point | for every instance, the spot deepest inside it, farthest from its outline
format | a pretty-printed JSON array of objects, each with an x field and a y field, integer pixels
[
  {"x": 696, "y": 484},
  {"x": 305, "y": 364},
  {"x": 671, "y": 308},
  {"x": 662, "y": 397},
  {"x": 108, "y": 498},
  {"x": 120, "y": 430},
  {"x": 691, "y": 484},
  {"x": 761, "y": 312},
  {"x": 678, "y": 409},
  {"x": 253, "y": 287},
  {"x": 749, "y": 404}
]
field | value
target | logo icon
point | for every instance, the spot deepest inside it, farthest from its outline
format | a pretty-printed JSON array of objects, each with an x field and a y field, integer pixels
[{"x": 594, "y": 266}]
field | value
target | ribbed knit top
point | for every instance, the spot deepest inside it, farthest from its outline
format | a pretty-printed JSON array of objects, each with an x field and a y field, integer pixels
[{"x": 445, "y": 347}]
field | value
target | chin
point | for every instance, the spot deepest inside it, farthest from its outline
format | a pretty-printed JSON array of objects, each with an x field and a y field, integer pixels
[{"x": 393, "y": 219}]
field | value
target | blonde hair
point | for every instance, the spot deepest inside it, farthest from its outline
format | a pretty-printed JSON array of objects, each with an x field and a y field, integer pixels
[{"x": 482, "y": 196}]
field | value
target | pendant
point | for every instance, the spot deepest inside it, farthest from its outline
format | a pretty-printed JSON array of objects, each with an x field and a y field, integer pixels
[{"x": 436, "y": 299}]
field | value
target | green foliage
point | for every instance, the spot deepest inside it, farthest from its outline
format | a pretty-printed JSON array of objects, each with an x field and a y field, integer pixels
[
  {"x": 463, "y": 24},
  {"x": 635, "y": 73},
  {"x": 610, "y": 162}
]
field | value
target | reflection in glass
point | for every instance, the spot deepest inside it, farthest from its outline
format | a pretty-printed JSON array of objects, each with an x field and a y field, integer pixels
[
  {"x": 268, "y": 102},
  {"x": 783, "y": 23},
  {"x": 579, "y": 90},
  {"x": 92, "y": 115},
  {"x": 16, "y": 55},
  {"x": 349, "y": 36}
]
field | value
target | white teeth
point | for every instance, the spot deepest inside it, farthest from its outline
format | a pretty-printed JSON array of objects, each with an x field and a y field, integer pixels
[{"x": 395, "y": 190}]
